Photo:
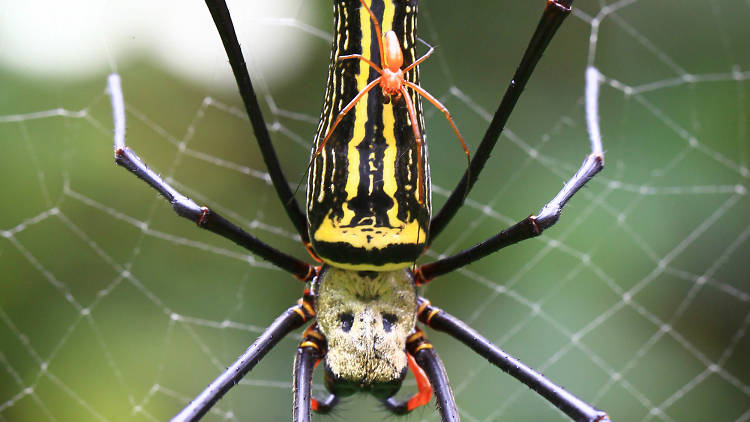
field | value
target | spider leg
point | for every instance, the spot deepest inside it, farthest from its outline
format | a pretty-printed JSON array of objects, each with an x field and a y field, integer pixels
[
  {"x": 430, "y": 374},
  {"x": 377, "y": 31},
  {"x": 418, "y": 139},
  {"x": 529, "y": 227},
  {"x": 223, "y": 21},
  {"x": 569, "y": 404},
  {"x": 421, "y": 91},
  {"x": 309, "y": 353},
  {"x": 342, "y": 113},
  {"x": 304, "y": 363},
  {"x": 429, "y": 361},
  {"x": 291, "y": 319},
  {"x": 325, "y": 406},
  {"x": 204, "y": 217},
  {"x": 421, "y": 59},
  {"x": 554, "y": 13},
  {"x": 363, "y": 58},
  {"x": 420, "y": 398}
]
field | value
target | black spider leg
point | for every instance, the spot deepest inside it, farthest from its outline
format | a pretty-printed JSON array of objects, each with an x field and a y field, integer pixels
[
  {"x": 312, "y": 348},
  {"x": 427, "y": 358},
  {"x": 529, "y": 227},
  {"x": 429, "y": 361},
  {"x": 575, "y": 408},
  {"x": 223, "y": 21},
  {"x": 291, "y": 319},
  {"x": 204, "y": 217},
  {"x": 554, "y": 14},
  {"x": 304, "y": 363}
]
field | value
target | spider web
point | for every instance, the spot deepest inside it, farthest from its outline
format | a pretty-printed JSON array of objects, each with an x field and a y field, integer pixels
[{"x": 638, "y": 300}]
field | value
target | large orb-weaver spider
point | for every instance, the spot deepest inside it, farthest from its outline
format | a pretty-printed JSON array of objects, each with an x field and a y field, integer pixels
[{"x": 363, "y": 298}]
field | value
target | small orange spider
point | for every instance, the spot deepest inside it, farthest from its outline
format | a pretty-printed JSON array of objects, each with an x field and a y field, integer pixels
[{"x": 394, "y": 85}]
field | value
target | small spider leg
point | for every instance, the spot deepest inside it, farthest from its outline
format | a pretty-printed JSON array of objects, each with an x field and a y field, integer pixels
[
  {"x": 430, "y": 374},
  {"x": 569, "y": 404},
  {"x": 341, "y": 115},
  {"x": 377, "y": 31},
  {"x": 363, "y": 58},
  {"x": 421, "y": 59},
  {"x": 185, "y": 207},
  {"x": 291, "y": 319},
  {"x": 223, "y": 21},
  {"x": 443, "y": 109},
  {"x": 309, "y": 353},
  {"x": 554, "y": 13},
  {"x": 418, "y": 139},
  {"x": 529, "y": 227}
]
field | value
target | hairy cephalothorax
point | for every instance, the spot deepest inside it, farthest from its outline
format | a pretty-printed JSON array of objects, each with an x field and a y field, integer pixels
[{"x": 366, "y": 318}]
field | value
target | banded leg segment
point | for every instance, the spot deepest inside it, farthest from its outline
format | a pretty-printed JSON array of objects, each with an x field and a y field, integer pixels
[
  {"x": 575, "y": 408},
  {"x": 554, "y": 13},
  {"x": 223, "y": 21},
  {"x": 291, "y": 319},
  {"x": 309, "y": 353}
]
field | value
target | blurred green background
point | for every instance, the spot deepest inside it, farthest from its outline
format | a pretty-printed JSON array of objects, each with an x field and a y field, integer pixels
[{"x": 112, "y": 308}]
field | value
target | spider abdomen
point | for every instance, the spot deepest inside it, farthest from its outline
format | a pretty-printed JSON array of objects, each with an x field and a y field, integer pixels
[{"x": 364, "y": 209}]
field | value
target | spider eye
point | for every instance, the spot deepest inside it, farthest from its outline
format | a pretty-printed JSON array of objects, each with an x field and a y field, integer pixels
[
  {"x": 346, "y": 320},
  {"x": 388, "y": 321}
]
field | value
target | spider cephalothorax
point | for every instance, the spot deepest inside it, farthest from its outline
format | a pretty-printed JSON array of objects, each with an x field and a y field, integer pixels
[{"x": 366, "y": 318}]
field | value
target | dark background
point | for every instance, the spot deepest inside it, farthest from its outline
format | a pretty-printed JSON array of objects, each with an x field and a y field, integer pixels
[{"x": 637, "y": 300}]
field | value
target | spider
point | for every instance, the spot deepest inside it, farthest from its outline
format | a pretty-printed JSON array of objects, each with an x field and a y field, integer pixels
[{"x": 367, "y": 220}]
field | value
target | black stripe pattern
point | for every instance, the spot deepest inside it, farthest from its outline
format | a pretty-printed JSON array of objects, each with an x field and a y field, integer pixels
[{"x": 363, "y": 206}]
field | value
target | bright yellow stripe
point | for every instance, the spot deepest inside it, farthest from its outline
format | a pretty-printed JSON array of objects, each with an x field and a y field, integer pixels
[
  {"x": 389, "y": 160},
  {"x": 360, "y": 110},
  {"x": 360, "y": 117},
  {"x": 388, "y": 13},
  {"x": 389, "y": 165}
]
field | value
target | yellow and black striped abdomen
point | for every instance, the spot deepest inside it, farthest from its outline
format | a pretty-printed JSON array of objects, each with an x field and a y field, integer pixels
[{"x": 363, "y": 207}]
